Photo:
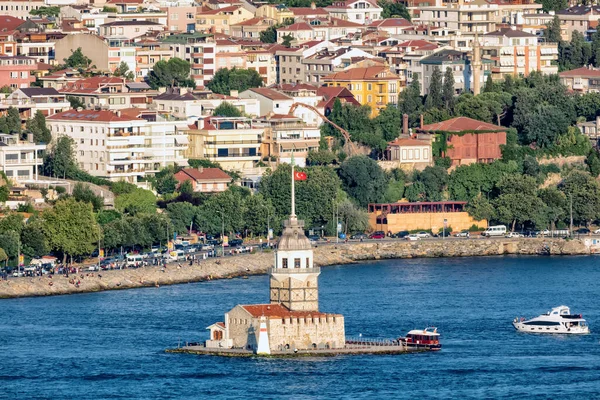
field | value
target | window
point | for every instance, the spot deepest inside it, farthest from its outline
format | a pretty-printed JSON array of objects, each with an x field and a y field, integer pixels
[
  {"x": 82, "y": 141},
  {"x": 296, "y": 263},
  {"x": 308, "y": 264},
  {"x": 369, "y": 99},
  {"x": 189, "y": 16},
  {"x": 369, "y": 86},
  {"x": 284, "y": 263}
]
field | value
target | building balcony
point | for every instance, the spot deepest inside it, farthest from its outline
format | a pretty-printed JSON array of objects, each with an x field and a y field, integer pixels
[
  {"x": 316, "y": 270},
  {"x": 225, "y": 142},
  {"x": 243, "y": 155}
]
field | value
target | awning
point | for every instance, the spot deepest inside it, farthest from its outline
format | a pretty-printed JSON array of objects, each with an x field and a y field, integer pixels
[{"x": 182, "y": 139}]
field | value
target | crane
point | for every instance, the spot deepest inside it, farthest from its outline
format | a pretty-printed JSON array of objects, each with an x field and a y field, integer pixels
[{"x": 352, "y": 149}]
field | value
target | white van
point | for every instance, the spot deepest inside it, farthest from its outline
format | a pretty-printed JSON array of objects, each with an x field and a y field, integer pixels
[
  {"x": 177, "y": 255},
  {"x": 498, "y": 230},
  {"x": 133, "y": 259}
]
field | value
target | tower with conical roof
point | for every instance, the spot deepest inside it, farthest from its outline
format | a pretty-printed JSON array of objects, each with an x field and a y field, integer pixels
[{"x": 294, "y": 279}]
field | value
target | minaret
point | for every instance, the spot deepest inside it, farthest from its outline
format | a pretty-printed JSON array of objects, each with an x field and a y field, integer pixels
[
  {"x": 294, "y": 279},
  {"x": 476, "y": 65}
]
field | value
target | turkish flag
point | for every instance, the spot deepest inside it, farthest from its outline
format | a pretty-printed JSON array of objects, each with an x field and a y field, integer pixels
[{"x": 300, "y": 176}]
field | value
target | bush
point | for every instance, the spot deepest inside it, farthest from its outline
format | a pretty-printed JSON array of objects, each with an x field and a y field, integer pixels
[
  {"x": 60, "y": 189},
  {"x": 475, "y": 228}
]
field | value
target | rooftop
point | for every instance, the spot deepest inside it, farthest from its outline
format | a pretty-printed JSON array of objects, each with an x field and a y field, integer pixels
[
  {"x": 90, "y": 115},
  {"x": 270, "y": 94},
  {"x": 460, "y": 124},
  {"x": 204, "y": 174},
  {"x": 583, "y": 72},
  {"x": 279, "y": 311},
  {"x": 364, "y": 73}
]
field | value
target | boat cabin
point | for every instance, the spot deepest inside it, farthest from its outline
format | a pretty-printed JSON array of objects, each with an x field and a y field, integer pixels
[{"x": 426, "y": 338}]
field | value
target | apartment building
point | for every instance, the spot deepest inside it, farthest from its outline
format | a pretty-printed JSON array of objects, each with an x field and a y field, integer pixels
[
  {"x": 278, "y": 12},
  {"x": 269, "y": 100},
  {"x": 518, "y": 53},
  {"x": 148, "y": 53},
  {"x": 374, "y": 86},
  {"x": 31, "y": 100},
  {"x": 109, "y": 93},
  {"x": 287, "y": 137},
  {"x": 120, "y": 147},
  {"x": 20, "y": 160},
  {"x": 20, "y": 8},
  {"x": 251, "y": 28},
  {"x": 181, "y": 18},
  {"x": 329, "y": 28},
  {"x": 17, "y": 71},
  {"x": 581, "y": 18},
  {"x": 128, "y": 29},
  {"x": 264, "y": 62},
  {"x": 232, "y": 142},
  {"x": 405, "y": 58},
  {"x": 392, "y": 26},
  {"x": 360, "y": 11},
  {"x": 220, "y": 20},
  {"x": 199, "y": 50},
  {"x": 583, "y": 80}
]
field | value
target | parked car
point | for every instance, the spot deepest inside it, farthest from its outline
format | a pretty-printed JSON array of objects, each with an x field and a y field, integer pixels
[
  {"x": 514, "y": 235},
  {"x": 464, "y": 233},
  {"x": 377, "y": 235},
  {"x": 423, "y": 235},
  {"x": 401, "y": 234},
  {"x": 314, "y": 238},
  {"x": 93, "y": 268},
  {"x": 583, "y": 231},
  {"x": 236, "y": 242},
  {"x": 359, "y": 236},
  {"x": 597, "y": 231},
  {"x": 531, "y": 234},
  {"x": 412, "y": 237}
]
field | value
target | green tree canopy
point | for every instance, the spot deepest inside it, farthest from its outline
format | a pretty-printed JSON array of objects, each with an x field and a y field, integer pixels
[
  {"x": 226, "y": 109},
  {"x": 226, "y": 80},
  {"x": 82, "y": 192},
  {"x": 60, "y": 160},
  {"x": 392, "y": 9},
  {"x": 448, "y": 89},
  {"x": 363, "y": 179},
  {"x": 138, "y": 201},
  {"x": 174, "y": 72},
  {"x": 71, "y": 228},
  {"x": 123, "y": 71},
  {"x": 77, "y": 59},
  {"x": 37, "y": 126},
  {"x": 434, "y": 97}
]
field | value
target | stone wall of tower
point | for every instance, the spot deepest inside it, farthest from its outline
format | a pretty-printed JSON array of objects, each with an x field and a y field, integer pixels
[
  {"x": 325, "y": 331},
  {"x": 297, "y": 292}
]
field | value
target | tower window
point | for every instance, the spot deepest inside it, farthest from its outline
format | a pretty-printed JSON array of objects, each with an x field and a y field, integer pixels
[
  {"x": 296, "y": 263},
  {"x": 284, "y": 263},
  {"x": 307, "y": 262}
]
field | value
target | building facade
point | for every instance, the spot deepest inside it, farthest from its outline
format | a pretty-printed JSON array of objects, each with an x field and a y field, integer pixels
[{"x": 20, "y": 160}]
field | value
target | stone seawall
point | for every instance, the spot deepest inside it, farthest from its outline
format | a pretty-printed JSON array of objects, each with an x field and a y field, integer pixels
[{"x": 254, "y": 264}]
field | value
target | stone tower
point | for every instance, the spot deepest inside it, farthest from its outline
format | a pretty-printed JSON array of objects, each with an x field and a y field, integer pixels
[{"x": 294, "y": 279}]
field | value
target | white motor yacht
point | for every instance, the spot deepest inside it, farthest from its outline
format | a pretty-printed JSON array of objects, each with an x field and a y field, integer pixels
[{"x": 558, "y": 320}]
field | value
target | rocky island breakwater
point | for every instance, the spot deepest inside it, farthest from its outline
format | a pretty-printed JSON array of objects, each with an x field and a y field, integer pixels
[{"x": 258, "y": 263}]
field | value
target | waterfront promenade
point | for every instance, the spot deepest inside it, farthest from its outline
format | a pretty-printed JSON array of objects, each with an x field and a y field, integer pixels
[{"x": 259, "y": 262}]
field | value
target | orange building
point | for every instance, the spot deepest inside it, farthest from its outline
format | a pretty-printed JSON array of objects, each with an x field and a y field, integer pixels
[{"x": 469, "y": 140}]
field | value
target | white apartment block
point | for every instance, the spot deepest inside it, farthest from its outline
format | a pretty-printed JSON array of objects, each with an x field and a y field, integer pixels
[
  {"x": 20, "y": 160},
  {"x": 359, "y": 11},
  {"x": 117, "y": 147}
]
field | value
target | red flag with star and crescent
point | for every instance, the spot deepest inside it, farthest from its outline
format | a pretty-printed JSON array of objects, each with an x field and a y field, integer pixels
[{"x": 299, "y": 176}]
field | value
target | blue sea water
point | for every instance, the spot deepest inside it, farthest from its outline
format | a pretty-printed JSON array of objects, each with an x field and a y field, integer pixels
[{"x": 111, "y": 344}]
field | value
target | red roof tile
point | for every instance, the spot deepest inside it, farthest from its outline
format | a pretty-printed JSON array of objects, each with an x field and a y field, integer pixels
[
  {"x": 279, "y": 311},
  {"x": 390, "y": 23},
  {"x": 409, "y": 142},
  {"x": 206, "y": 174},
  {"x": 583, "y": 72},
  {"x": 303, "y": 11},
  {"x": 9, "y": 23},
  {"x": 370, "y": 73},
  {"x": 298, "y": 26},
  {"x": 461, "y": 124}
]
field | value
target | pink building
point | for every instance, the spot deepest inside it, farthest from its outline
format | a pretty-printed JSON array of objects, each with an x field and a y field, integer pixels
[
  {"x": 181, "y": 18},
  {"x": 17, "y": 71}
]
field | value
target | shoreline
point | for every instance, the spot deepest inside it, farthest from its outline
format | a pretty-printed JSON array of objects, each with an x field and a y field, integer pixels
[{"x": 258, "y": 263}]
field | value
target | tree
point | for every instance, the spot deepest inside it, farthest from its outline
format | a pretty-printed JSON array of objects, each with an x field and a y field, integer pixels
[
  {"x": 3, "y": 255},
  {"x": 37, "y": 126},
  {"x": 71, "y": 228},
  {"x": 552, "y": 32},
  {"x": 33, "y": 239},
  {"x": 258, "y": 214},
  {"x": 226, "y": 80},
  {"x": 553, "y": 5},
  {"x": 12, "y": 222},
  {"x": 186, "y": 187},
  {"x": 182, "y": 215},
  {"x": 391, "y": 9},
  {"x": 410, "y": 101},
  {"x": 583, "y": 190},
  {"x": 226, "y": 109},
  {"x": 106, "y": 216},
  {"x": 75, "y": 102},
  {"x": 138, "y": 201},
  {"x": 543, "y": 125},
  {"x": 489, "y": 85},
  {"x": 269, "y": 35},
  {"x": 223, "y": 211},
  {"x": 123, "y": 71},
  {"x": 77, "y": 60},
  {"x": 448, "y": 89},
  {"x": 556, "y": 204},
  {"x": 82, "y": 192},
  {"x": 390, "y": 122},
  {"x": 321, "y": 157},
  {"x": 415, "y": 191},
  {"x": 4, "y": 193},
  {"x": 531, "y": 166},
  {"x": 480, "y": 208},
  {"x": 164, "y": 181},
  {"x": 122, "y": 187},
  {"x": 593, "y": 163},
  {"x": 434, "y": 98},
  {"x": 287, "y": 40},
  {"x": 60, "y": 160},
  {"x": 363, "y": 179},
  {"x": 518, "y": 202},
  {"x": 434, "y": 180},
  {"x": 352, "y": 218},
  {"x": 197, "y": 163},
  {"x": 10, "y": 242},
  {"x": 43, "y": 11},
  {"x": 175, "y": 72}
]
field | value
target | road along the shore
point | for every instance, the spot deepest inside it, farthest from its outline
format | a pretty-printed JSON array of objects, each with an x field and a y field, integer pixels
[{"x": 259, "y": 262}]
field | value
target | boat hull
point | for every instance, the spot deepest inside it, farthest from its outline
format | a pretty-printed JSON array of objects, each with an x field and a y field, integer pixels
[{"x": 558, "y": 329}]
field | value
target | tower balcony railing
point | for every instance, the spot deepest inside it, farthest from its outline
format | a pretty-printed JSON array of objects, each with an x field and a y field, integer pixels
[{"x": 316, "y": 270}]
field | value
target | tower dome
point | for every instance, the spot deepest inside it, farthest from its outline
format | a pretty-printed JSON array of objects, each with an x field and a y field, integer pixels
[{"x": 293, "y": 237}]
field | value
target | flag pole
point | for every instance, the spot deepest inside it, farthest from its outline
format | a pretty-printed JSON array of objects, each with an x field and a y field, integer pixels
[{"x": 293, "y": 214}]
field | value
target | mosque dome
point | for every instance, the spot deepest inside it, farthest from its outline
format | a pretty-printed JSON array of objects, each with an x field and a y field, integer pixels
[{"x": 293, "y": 237}]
